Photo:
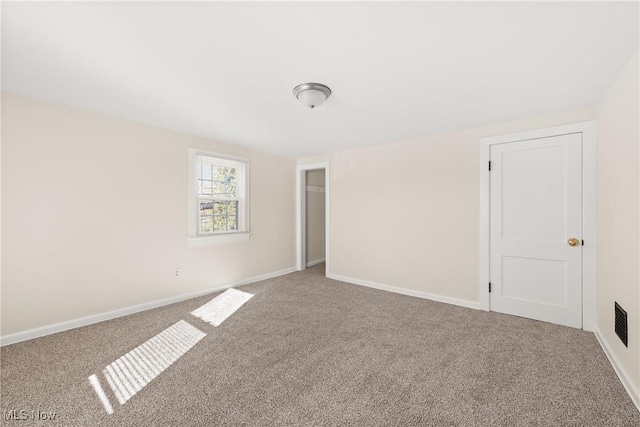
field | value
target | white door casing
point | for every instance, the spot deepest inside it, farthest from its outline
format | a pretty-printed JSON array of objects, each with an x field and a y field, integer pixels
[
  {"x": 518, "y": 263},
  {"x": 536, "y": 207}
]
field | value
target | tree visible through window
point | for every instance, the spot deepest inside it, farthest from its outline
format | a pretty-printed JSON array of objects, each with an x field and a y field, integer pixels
[{"x": 220, "y": 187}]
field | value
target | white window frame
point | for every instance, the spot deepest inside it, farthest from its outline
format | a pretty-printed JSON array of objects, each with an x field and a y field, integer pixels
[{"x": 243, "y": 232}]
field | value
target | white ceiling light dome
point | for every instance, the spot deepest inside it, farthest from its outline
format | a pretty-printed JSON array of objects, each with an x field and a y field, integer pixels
[{"x": 311, "y": 95}]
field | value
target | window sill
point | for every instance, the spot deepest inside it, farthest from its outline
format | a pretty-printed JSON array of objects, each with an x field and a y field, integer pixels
[{"x": 217, "y": 239}]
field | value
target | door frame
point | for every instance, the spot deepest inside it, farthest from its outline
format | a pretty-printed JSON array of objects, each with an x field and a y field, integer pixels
[
  {"x": 589, "y": 210},
  {"x": 301, "y": 217}
]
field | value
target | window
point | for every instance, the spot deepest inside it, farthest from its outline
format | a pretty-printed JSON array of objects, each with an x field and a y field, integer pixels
[{"x": 219, "y": 203}]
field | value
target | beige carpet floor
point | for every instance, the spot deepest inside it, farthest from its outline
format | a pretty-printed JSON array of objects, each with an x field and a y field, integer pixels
[{"x": 308, "y": 351}]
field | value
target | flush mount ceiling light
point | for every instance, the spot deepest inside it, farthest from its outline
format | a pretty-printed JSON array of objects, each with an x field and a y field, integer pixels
[{"x": 311, "y": 95}]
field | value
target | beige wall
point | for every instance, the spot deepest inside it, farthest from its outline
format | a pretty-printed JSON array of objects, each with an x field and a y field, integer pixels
[
  {"x": 618, "y": 216},
  {"x": 408, "y": 214},
  {"x": 94, "y": 215},
  {"x": 315, "y": 216}
]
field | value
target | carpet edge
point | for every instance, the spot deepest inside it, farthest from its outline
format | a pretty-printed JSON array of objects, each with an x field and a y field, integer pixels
[{"x": 409, "y": 292}]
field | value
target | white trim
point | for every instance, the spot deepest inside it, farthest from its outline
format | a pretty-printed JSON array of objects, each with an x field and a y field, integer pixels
[
  {"x": 483, "y": 292},
  {"x": 316, "y": 262},
  {"x": 589, "y": 214},
  {"x": 301, "y": 195},
  {"x": 89, "y": 320},
  {"x": 301, "y": 216},
  {"x": 216, "y": 239},
  {"x": 589, "y": 226},
  {"x": 410, "y": 292},
  {"x": 624, "y": 378}
]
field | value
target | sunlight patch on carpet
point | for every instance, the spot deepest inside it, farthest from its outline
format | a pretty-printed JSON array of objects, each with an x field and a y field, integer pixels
[
  {"x": 221, "y": 307},
  {"x": 131, "y": 372},
  {"x": 100, "y": 392}
]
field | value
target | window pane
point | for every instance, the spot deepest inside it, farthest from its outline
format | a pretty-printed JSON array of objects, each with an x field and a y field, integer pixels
[
  {"x": 206, "y": 216},
  {"x": 232, "y": 183},
  {"x": 205, "y": 187},
  {"x": 232, "y": 223},
  {"x": 206, "y": 224},
  {"x": 231, "y": 190},
  {"x": 215, "y": 180},
  {"x": 218, "y": 188},
  {"x": 220, "y": 223},
  {"x": 225, "y": 178},
  {"x": 219, "y": 173},
  {"x": 206, "y": 208},
  {"x": 228, "y": 172},
  {"x": 233, "y": 208},
  {"x": 220, "y": 208},
  {"x": 206, "y": 172},
  {"x": 232, "y": 216},
  {"x": 218, "y": 215}
]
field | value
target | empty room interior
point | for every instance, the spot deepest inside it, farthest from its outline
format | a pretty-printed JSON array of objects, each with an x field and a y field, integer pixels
[{"x": 320, "y": 213}]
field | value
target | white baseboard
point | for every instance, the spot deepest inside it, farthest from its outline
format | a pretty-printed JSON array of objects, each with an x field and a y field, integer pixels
[
  {"x": 88, "y": 320},
  {"x": 316, "y": 262},
  {"x": 404, "y": 291},
  {"x": 624, "y": 378}
]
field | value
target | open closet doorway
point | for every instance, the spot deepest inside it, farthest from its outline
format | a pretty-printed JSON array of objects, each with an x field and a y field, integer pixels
[{"x": 313, "y": 215}]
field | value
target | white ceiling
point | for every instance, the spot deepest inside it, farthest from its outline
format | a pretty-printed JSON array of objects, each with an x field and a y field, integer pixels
[{"x": 397, "y": 70}]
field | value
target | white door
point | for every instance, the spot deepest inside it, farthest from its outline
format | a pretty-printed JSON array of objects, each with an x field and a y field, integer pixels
[{"x": 536, "y": 229}]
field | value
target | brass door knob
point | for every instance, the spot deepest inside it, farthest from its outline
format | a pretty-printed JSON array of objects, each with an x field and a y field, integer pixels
[{"x": 573, "y": 242}]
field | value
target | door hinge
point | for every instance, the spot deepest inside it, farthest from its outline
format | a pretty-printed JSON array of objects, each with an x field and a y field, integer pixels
[
  {"x": 489, "y": 286},
  {"x": 489, "y": 165}
]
